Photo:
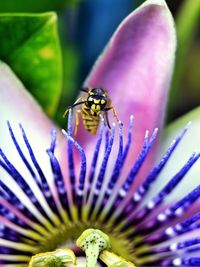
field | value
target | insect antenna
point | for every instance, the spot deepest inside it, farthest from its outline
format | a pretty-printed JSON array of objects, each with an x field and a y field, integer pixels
[
  {"x": 72, "y": 106},
  {"x": 84, "y": 89}
]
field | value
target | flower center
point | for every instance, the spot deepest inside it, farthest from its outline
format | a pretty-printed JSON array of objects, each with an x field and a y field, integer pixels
[
  {"x": 66, "y": 235},
  {"x": 93, "y": 242}
]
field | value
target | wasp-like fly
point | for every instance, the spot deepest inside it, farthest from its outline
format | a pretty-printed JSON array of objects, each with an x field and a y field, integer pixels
[{"x": 95, "y": 104}]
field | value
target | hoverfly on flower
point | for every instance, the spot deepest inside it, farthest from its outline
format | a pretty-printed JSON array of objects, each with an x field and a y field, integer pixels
[{"x": 96, "y": 103}]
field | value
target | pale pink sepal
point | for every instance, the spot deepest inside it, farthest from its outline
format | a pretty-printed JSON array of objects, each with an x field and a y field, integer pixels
[
  {"x": 189, "y": 145},
  {"x": 18, "y": 106}
]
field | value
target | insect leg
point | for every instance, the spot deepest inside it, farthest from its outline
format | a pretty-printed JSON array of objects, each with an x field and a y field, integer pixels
[
  {"x": 107, "y": 120},
  {"x": 114, "y": 112},
  {"x": 77, "y": 121},
  {"x": 76, "y": 103}
]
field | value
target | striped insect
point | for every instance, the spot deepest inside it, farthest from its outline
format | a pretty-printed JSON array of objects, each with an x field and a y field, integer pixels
[{"x": 96, "y": 103}]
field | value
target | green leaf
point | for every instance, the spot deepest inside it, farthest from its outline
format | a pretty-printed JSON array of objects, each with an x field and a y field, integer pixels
[
  {"x": 30, "y": 46},
  {"x": 189, "y": 144},
  {"x": 187, "y": 22},
  {"x": 34, "y": 6},
  {"x": 70, "y": 88}
]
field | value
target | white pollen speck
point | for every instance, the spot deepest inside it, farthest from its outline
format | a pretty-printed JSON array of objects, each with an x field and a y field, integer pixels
[
  {"x": 141, "y": 190},
  {"x": 146, "y": 134},
  {"x": 47, "y": 194},
  {"x": 64, "y": 132},
  {"x": 173, "y": 141},
  {"x": 150, "y": 205},
  {"x": 173, "y": 247},
  {"x": 108, "y": 191},
  {"x": 136, "y": 197},
  {"x": 80, "y": 192},
  {"x": 161, "y": 217},
  {"x": 179, "y": 211},
  {"x": 178, "y": 227},
  {"x": 168, "y": 212},
  {"x": 122, "y": 192},
  {"x": 170, "y": 231},
  {"x": 96, "y": 191},
  {"x": 177, "y": 262},
  {"x": 156, "y": 130},
  {"x": 20, "y": 206}
]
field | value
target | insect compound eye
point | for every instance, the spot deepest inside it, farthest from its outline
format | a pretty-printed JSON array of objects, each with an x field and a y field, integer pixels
[{"x": 98, "y": 91}]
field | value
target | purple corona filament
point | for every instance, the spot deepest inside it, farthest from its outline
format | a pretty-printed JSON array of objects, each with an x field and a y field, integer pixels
[{"x": 153, "y": 233}]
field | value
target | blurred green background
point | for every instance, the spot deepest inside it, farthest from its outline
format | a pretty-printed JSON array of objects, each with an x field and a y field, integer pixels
[{"x": 84, "y": 27}]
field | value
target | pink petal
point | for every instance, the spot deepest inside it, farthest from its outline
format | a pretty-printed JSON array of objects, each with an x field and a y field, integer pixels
[
  {"x": 136, "y": 69},
  {"x": 18, "y": 106}
]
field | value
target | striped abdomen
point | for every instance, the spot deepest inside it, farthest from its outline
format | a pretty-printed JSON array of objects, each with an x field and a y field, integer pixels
[{"x": 90, "y": 121}]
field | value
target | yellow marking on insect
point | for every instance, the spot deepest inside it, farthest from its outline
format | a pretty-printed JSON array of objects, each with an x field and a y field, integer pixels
[
  {"x": 86, "y": 117},
  {"x": 93, "y": 107},
  {"x": 98, "y": 107},
  {"x": 97, "y": 101}
]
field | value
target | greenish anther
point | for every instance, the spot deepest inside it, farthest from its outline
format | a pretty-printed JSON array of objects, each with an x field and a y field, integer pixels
[
  {"x": 57, "y": 258},
  {"x": 113, "y": 260},
  {"x": 92, "y": 242}
]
